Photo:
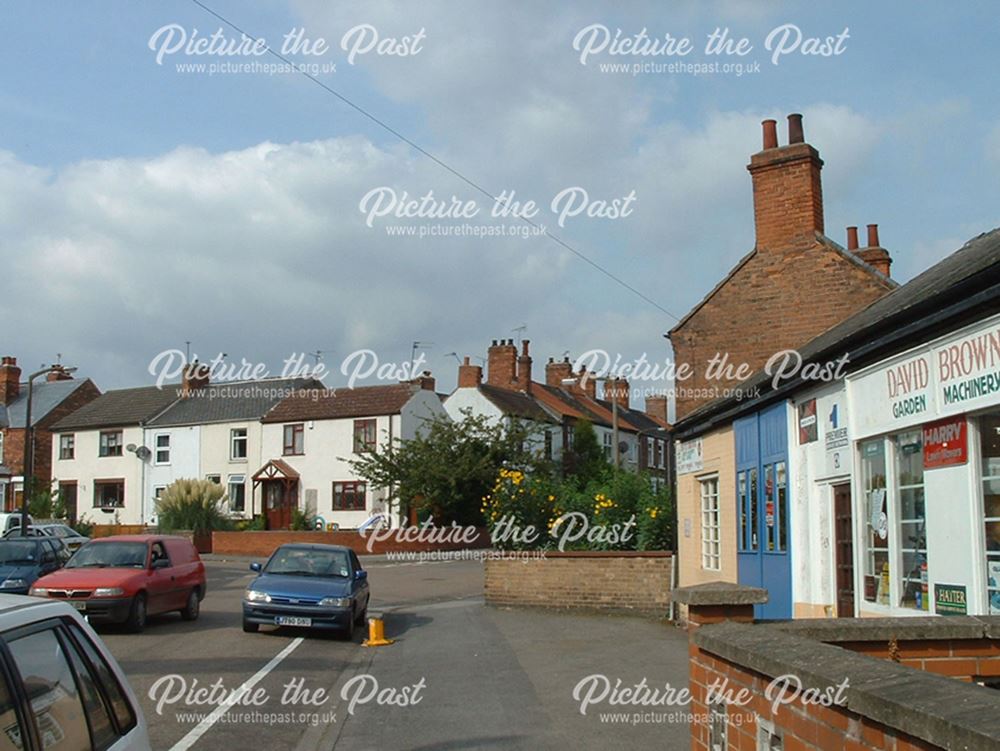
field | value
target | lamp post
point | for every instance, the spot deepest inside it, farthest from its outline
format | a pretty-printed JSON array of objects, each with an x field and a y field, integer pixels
[{"x": 29, "y": 442}]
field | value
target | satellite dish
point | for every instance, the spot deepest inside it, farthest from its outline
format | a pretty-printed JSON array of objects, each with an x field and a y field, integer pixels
[
  {"x": 142, "y": 452},
  {"x": 622, "y": 447},
  {"x": 130, "y": 448}
]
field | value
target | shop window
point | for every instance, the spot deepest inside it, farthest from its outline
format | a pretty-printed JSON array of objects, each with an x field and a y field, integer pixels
[
  {"x": 746, "y": 489},
  {"x": 912, "y": 519},
  {"x": 989, "y": 432},
  {"x": 710, "y": 539},
  {"x": 776, "y": 507},
  {"x": 877, "y": 530}
]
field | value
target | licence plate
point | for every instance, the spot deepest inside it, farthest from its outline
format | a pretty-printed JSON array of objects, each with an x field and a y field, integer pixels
[
  {"x": 79, "y": 605},
  {"x": 287, "y": 620}
]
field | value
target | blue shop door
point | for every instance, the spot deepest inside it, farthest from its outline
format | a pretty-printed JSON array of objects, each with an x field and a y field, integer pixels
[{"x": 763, "y": 558}]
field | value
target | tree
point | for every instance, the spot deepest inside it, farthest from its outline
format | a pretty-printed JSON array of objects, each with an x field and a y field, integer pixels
[
  {"x": 449, "y": 467},
  {"x": 585, "y": 459},
  {"x": 196, "y": 505}
]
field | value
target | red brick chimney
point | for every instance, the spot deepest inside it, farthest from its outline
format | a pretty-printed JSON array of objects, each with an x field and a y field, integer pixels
[
  {"x": 58, "y": 373},
  {"x": 617, "y": 390},
  {"x": 656, "y": 406},
  {"x": 501, "y": 364},
  {"x": 873, "y": 254},
  {"x": 425, "y": 381},
  {"x": 195, "y": 377},
  {"x": 557, "y": 372},
  {"x": 787, "y": 191},
  {"x": 586, "y": 383},
  {"x": 524, "y": 368},
  {"x": 469, "y": 376},
  {"x": 10, "y": 380}
]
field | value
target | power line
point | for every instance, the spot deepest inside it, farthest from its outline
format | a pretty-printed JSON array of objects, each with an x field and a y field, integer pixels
[{"x": 468, "y": 181}]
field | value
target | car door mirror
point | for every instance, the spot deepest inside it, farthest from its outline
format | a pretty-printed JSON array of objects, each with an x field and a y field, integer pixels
[
  {"x": 255, "y": 566},
  {"x": 361, "y": 575}
]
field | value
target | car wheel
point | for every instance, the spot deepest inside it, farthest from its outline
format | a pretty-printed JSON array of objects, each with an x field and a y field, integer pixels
[
  {"x": 250, "y": 628},
  {"x": 137, "y": 614},
  {"x": 193, "y": 607},
  {"x": 362, "y": 616}
]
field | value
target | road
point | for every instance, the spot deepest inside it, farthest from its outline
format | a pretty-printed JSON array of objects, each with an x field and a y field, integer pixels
[{"x": 460, "y": 675}]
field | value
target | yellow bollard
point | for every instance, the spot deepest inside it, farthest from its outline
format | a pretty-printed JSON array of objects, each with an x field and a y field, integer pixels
[{"x": 376, "y": 634}]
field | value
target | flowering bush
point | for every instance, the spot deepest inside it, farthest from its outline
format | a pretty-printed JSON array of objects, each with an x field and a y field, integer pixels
[{"x": 620, "y": 511}]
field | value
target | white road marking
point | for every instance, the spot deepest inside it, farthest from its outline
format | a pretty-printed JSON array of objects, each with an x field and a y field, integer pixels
[{"x": 206, "y": 724}]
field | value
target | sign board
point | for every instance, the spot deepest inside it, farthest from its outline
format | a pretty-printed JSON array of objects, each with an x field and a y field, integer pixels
[
  {"x": 895, "y": 395},
  {"x": 808, "y": 427},
  {"x": 949, "y": 599},
  {"x": 689, "y": 456},
  {"x": 836, "y": 440},
  {"x": 946, "y": 443}
]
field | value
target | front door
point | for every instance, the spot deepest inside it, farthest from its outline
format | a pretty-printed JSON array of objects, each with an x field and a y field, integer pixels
[
  {"x": 67, "y": 492},
  {"x": 279, "y": 495},
  {"x": 843, "y": 530},
  {"x": 762, "y": 507}
]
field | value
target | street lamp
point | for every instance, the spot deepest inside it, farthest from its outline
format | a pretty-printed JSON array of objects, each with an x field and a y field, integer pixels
[{"x": 29, "y": 443}]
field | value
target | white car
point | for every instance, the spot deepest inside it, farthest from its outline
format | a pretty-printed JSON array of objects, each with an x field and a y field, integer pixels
[
  {"x": 59, "y": 685},
  {"x": 10, "y": 520}
]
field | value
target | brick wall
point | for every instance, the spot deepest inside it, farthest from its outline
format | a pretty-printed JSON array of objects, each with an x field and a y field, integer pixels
[
  {"x": 965, "y": 659},
  {"x": 262, "y": 544},
  {"x": 621, "y": 582}
]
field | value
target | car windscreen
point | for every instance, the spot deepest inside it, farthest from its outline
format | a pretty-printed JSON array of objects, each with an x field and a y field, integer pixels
[
  {"x": 60, "y": 531},
  {"x": 302, "y": 562},
  {"x": 18, "y": 551},
  {"x": 110, "y": 555}
]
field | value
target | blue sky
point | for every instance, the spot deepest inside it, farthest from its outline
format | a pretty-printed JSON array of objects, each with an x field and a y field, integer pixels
[{"x": 147, "y": 206}]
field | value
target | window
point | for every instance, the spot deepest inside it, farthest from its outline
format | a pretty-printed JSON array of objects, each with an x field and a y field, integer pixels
[
  {"x": 876, "y": 513},
  {"x": 217, "y": 479},
  {"x": 710, "y": 539},
  {"x": 238, "y": 443},
  {"x": 349, "y": 496},
  {"x": 364, "y": 436},
  {"x": 158, "y": 491},
  {"x": 775, "y": 508},
  {"x": 109, "y": 493},
  {"x": 1, "y": 446},
  {"x": 294, "y": 435},
  {"x": 162, "y": 444},
  {"x": 55, "y": 703},
  {"x": 661, "y": 459},
  {"x": 912, "y": 520},
  {"x": 14, "y": 730},
  {"x": 608, "y": 440},
  {"x": 111, "y": 443},
  {"x": 650, "y": 452},
  {"x": 67, "y": 446},
  {"x": 237, "y": 493},
  {"x": 746, "y": 497},
  {"x": 548, "y": 444},
  {"x": 122, "y": 711},
  {"x": 989, "y": 432}
]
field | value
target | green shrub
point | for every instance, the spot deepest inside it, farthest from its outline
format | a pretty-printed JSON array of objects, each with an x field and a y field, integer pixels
[{"x": 195, "y": 505}]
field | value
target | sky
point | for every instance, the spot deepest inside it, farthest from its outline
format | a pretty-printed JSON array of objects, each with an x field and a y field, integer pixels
[{"x": 148, "y": 204}]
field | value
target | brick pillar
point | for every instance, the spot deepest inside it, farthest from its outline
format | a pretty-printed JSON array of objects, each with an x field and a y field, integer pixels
[{"x": 719, "y": 601}]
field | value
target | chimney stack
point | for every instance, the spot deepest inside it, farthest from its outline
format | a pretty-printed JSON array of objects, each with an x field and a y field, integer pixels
[
  {"x": 195, "y": 377},
  {"x": 557, "y": 372},
  {"x": 502, "y": 364},
  {"x": 787, "y": 190},
  {"x": 656, "y": 406},
  {"x": 524, "y": 368},
  {"x": 425, "y": 381},
  {"x": 852, "y": 238},
  {"x": 58, "y": 373},
  {"x": 617, "y": 390},
  {"x": 469, "y": 376},
  {"x": 10, "y": 380},
  {"x": 874, "y": 254}
]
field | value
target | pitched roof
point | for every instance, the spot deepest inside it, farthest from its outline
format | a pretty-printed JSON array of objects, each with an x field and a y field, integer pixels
[
  {"x": 276, "y": 469},
  {"x": 977, "y": 263},
  {"x": 45, "y": 397},
  {"x": 516, "y": 403},
  {"x": 823, "y": 240},
  {"x": 229, "y": 402},
  {"x": 332, "y": 404},
  {"x": 119, "y": 408}
]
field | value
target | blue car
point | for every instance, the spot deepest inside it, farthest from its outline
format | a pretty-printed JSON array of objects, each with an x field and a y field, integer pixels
[
  {"x": 308, "y": 586},
  {"x": 24, "y": 559}
]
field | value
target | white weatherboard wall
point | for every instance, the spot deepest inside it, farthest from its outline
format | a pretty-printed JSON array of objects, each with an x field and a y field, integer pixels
[
  {"x": 183, "y": 461},
  {"x": 815, "y": 467},
  {"x": 87, "y": 466}
]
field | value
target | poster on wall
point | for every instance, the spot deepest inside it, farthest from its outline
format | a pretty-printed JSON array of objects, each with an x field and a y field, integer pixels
[
  {"x": 946, "y": 443},
  {"x": 949, "y": 599},
  {"x": 689, "y": 458},
  {"x": 836, "y": 441},
  {"x": 808, "y": 426},
  {"x": 993, "y": 583}
]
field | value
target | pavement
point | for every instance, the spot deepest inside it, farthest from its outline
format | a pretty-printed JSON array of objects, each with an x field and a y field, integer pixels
[{"x": 460, "y": 675}]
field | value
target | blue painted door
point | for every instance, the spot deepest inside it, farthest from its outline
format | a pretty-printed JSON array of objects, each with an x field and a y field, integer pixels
[{"x": 762, "y": 507}]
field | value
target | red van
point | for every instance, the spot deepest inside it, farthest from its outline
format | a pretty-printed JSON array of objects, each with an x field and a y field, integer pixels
[{"x": 124, "y": 579}]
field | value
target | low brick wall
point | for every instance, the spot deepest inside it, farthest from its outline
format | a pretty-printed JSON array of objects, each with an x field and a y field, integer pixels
[
  {"x": 261, "y": 544},
  {"x": 613, "y": 581}
]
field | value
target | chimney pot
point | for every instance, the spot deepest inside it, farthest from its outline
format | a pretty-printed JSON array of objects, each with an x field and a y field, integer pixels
[
  {"x": 873, "y": 236},
  {"x": 466, "y": 360},
  {"x": 770, "y": 128},
  {"x": 852, "y": 238},
  {"x": 795, "y": 134}
]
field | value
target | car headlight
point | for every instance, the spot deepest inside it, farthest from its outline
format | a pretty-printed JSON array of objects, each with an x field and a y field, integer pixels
[
  {"x": 109, "y": 592},
  {"x": 13, "y": 584},
  {"x": 253, "y": 595},
  {"x": 39, "y": 592},
  {"x": 336, "y": 602}
]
